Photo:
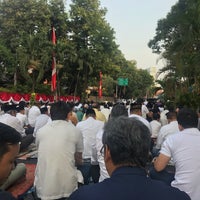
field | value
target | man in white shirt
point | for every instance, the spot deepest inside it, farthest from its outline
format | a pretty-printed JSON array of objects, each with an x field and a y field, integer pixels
[
  {"x": 105, "y": 110},
  {"x": 135, "y": 111},
  {"x": 89, "y": 128},
  {"x": 9, "y": 118},
  {"x": 60, "y": 147},
  {"x": 21, "y": 115},
  {"x": 155, "y": 125},
  {"x": 184, "y": 149},
  {"x": 42, "y": 119},
  {"x": 166, "y": 130},
  {"x": 117, "y": 110},
  {"x": 33, "y": 113}
]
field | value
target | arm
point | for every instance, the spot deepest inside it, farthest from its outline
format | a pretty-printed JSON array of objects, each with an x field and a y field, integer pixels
[
  {"x": 161, "y": 162},
  {"x": 78, "y": 158}
]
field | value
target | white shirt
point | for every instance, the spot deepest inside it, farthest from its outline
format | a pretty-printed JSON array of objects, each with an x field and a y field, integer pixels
[
  {"x": 143, "y": 120},
  {"x": 163, "y": 117},
  {"x": 100, "y": 158},
  {"x": 56, "y": 174},
  {"x": 33, "y": 113},
  {"x": 155, "y": 128},
  {"x": 144, "y": 111},
  {"x": 184, "y": 149},
  {"x": 165, "y": 131},
  {"x": 89, "y": 129},
  {"x": 106, "y": 112},
  {"x": 22, "y": 118},
  {"x": 41, "y": 120},
  {"x": 13, "y": 122}
]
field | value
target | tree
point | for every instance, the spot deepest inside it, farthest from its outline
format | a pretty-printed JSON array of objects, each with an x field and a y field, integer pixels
[
  {"x": 92, "y": 38},
  {"x": 26, "y": 22},
  {"x": 139, "y": 81},
  {"x": 178, "y": 41}
]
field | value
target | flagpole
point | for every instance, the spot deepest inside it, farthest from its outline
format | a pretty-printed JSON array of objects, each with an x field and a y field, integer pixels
[
  {"x": 100, "y": 84},
  {"x": 54, "y": 71}
]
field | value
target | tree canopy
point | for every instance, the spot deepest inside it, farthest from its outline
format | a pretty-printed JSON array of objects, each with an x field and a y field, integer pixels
[
  {"x": 177, "y": 40},
  {"x": 85, "y": 45}
]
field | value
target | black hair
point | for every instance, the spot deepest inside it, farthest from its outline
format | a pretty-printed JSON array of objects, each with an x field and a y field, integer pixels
[
  {"x": 156, "y": 116},
  {"x": 43, "y": 109},
  {"x": 187, "y": 118},
  {"x": 135, "y": 106},
  {"x": 59, "y": 110},
  {"x": 90, "y": 112},
  {"x": 8, "y": 136},
  {"x": 119, "y": 110},
  {"x": 171, "y": 115}
]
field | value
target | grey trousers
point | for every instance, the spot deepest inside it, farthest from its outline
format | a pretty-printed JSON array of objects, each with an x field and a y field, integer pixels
[{"x": 18, "y": 172}]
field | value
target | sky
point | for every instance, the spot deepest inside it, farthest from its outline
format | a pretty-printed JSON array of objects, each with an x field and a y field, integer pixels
[{"x": 134, "y": 23}]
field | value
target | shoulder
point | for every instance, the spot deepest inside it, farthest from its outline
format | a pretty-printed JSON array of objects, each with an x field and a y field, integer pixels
[
  {"x": 165, "y": 192},
  {"x": 173, "y": 193}
]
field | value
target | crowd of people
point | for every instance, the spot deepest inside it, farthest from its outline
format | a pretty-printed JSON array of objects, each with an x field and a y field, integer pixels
[{"x": 103, "y": 150}]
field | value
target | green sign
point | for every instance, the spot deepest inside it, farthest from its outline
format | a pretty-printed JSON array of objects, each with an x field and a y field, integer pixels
[{"x": 122, "y": 81}]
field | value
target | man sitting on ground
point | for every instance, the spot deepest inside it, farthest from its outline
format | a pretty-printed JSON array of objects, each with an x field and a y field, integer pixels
[
  {"x": 184, "y": 149},
  {"x": 9, "y": 148},
  {"x": 126, "y": 144}
]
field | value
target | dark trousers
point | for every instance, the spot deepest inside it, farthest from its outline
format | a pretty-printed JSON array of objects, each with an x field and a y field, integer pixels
[
  {"x": 26, "y": 141},
  {"x": 166, "y": 175},
  {"x": 89, "y": 172},
  {"x": 95, "y": 173}
]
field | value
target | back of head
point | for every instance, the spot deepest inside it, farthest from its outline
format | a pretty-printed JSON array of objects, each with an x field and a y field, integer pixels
[
  {"x": 96, "y": 105},
  {"x": 128, "y": 140},
  {"x": 90, "y": 113},
  {"x": 8, "y": 108},
  {"x": 43, "y": 109},
  {"x": 119, "y": 110},
  {"x": 171, "y": 115},
  {"x": 8, "y": 136},
  {"x": 187, "y": 118},
  {"x": 60, "y": 110},
  {"x": 140, "y": 100},
  {"x": 22, "y": 103},
  {"x": 135, "y": 107},
  {"x": 156, "y": 116},
  {"x": 20, "y": 108}
]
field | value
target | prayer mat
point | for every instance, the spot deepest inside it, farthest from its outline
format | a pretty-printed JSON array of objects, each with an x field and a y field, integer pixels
[{"x": 23, "y": 185}]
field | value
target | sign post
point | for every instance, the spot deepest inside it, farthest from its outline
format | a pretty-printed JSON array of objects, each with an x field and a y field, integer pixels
[{"x": 122, "y": 82}]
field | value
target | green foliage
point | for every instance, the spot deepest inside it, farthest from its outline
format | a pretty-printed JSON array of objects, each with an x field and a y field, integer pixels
[
  {"x": 108, "y": 86},
  {"x": 178, "y": 41},
  {"x": 85, "y": 46},
  {"x": 92, "y": 38}
]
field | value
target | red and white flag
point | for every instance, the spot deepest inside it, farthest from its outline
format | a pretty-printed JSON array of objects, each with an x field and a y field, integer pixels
[
  {"x": 53, "y": 75},
  {"x": 100, "y": 84},
  {"x": 53, "y": 35}
]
